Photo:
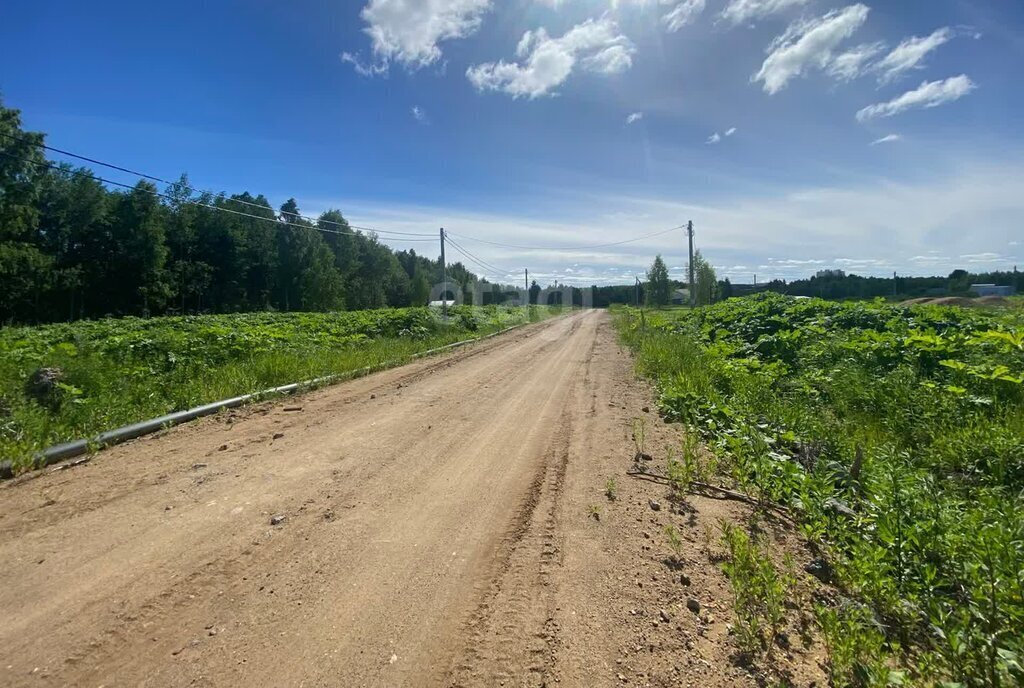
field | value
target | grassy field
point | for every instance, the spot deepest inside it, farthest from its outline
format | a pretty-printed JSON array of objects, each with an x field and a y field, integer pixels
[
  {"x": 119, "y": 371},
  {"x": 895, "y": 436}
]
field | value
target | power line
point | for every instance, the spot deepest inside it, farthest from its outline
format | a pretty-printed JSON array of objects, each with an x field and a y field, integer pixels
[
  {"x": 479, "y": 261},
  {"x": 192, "y": 189},
  {"x": 570, "y": 248},
  {"x": 50, "y": 165},
  {"x": 496, "y": 277},
  {"x": 483, "y": 271}
]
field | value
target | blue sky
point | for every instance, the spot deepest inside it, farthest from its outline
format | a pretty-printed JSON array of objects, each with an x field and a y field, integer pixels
[{"x": 796, "y": 134}]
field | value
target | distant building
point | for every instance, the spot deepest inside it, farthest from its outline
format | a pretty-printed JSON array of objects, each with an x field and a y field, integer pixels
[
  {"x": 441, "y": 304},
  {"x": 991, "y": 290},
  {"x": 681, "y": 297}
]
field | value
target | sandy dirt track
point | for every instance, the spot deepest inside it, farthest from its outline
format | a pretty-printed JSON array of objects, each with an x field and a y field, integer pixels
[{"x": 438, "y": 530}]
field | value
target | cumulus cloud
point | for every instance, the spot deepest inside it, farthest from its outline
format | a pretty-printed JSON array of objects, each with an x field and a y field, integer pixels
[
  {"x": 851, "y": 64},
  {"x": 808, "y": 44},
  {"x": 418, "y": 114},
  {"x": 928, "y": 95},
  {"x": 634, "y": 117},
  {"x": 741, "y": 11},
  {"x": 891, "y": 138},
  {"x": 909, "y": 54},
  {"x": 545, "y": 62},
  {"x": 409, "y": 31},
  {"x": 730, "y": 131}
]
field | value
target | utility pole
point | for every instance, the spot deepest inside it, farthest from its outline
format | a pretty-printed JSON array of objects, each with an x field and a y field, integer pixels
[
  {"x": 636, "y": 297},
  {"x": 526, "y": 284},
  {"x": 444, "y": 273},
  {"x": 894, "y": 284},
  {"x": 693, "y": 289}
]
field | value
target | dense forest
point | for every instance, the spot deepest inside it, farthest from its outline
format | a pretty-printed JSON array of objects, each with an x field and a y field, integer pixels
[{"x": 71, "y": 247}]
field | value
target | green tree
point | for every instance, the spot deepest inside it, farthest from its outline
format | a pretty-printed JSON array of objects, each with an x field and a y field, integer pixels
[
  {"x": 290, "y": 248},
  {"x": 308, "y": 274},
  {"x": 959, "y": 281},
  {"x": 320, "y": 284},
  {"x": 705, "y": 281},
  {"x": 73, "y": 213},
  {"x": 26, "y": 272},
  {"x": 21, "y": 166},
  {"x": 659, "y": 288},
  {"x": 259, "y": 256},
  {"x": 419, "y": 288},
  {"x": 138, "y": 281}
]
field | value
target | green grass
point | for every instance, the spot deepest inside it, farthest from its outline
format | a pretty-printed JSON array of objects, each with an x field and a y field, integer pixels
[
  {"x": 911, "y": 417},
  {"x": 119, "y": 371},
  {"x": 759, "y": 589}
]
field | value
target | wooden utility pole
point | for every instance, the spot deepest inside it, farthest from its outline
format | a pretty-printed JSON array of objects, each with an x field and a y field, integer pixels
[
  {"x": 444, "y": 275},
  {"x": 693, "y": 288},
  {"x": 526, "y": 284}
]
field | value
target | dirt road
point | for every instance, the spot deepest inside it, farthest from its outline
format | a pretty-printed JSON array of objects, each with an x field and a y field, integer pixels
[{"x": 437, "y": 530}]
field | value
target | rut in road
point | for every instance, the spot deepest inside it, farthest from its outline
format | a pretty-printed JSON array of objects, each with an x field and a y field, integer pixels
[{"x": 422, "y": 530}]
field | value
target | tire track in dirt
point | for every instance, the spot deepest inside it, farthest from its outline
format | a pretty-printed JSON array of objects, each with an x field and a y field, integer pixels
[{"x": 520, "y": 601}]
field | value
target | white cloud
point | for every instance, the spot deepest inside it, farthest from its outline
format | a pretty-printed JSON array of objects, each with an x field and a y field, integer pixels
[
  {"x": 545, "y": 62},
  {"x": 634, "y": 117},
  {"x": 717, "y": 138},
  {"x": 418, "y": 114},
  {"x": 686, "y": 12},
  {"x": 928, "y": 95},
  {"x": 409, "y": 31},
  {"x": 740, "y": 11},
  {"x": 796, "y": 261},
  {"x": 852, "y": 63},
  {"x": 909, "y": 54},
  {"x": 870, "y": 226},
  {"x": 808, "y": 44},
  {"x": 679, "y": 13},
  {"x": 891, "y": 138},
  {"x": 987, "y": 257}
]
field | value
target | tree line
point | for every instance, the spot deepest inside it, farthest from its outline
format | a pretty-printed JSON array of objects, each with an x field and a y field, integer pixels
[
  {"x": 838, "y": 285},
  {"x": 70, "y": 248}
]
